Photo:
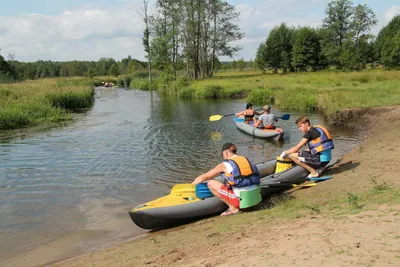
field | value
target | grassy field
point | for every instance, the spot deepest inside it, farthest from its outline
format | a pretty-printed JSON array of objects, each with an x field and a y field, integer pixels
[
  {"x": 328, "y": 92},
  {"x": 325, "y": 91},
  {"x": 47, "y": 100}
]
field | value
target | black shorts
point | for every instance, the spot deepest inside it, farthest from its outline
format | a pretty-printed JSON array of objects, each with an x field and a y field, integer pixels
[{"x": 311, "y": 159}]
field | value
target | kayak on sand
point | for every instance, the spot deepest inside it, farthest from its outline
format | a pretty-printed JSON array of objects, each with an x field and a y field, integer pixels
[{"x": 182, "y": 207}]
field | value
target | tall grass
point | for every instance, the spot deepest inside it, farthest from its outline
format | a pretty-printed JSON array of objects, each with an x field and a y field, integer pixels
[
  {"x": 325, "y": 91},
  {"x": 48, "y": 100}
]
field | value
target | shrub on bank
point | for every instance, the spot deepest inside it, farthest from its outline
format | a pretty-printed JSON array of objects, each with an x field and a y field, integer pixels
[
  {"x": 143, "y": 84},
  {"x": 45, "y": 100},
  {"x": 19, "y": 113},
  {"x": 71, "y": 99}
]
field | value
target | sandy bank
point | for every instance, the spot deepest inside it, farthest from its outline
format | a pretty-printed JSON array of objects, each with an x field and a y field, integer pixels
[{"x": 349, "y": 220}]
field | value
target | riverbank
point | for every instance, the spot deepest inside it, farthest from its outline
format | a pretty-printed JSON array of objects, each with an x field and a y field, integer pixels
[
  {"x": 348, "y": 220},
  {"x": 325, "y": 91},
  {"x": 43, "y": 101}
]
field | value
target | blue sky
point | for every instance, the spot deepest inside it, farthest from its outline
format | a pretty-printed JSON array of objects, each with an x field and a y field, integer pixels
[{"x": 90, "y": 29}]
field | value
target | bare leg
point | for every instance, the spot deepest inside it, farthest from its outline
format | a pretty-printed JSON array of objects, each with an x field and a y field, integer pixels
[
  {"x": 295, "y": 158},
  {"x": 214, "y": 185}
]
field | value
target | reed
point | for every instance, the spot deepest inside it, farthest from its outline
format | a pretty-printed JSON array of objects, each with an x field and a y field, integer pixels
[
  {"x": 325, "y": 91},
  {"x": 46, "y": 100}
]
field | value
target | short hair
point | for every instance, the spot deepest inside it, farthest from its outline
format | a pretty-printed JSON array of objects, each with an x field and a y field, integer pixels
[
  {"x": 249, "y": 105},
  {"x": 303, "y": 119},
  {"x": 229, "y": 146}
]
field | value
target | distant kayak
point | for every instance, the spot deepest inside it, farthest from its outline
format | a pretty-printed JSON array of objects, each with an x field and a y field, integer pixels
[
  {"x": 262, "y": 133},
  {"x": 181, "y": 207}
]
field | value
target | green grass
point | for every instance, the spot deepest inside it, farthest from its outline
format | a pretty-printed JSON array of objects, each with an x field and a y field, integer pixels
[
  {"x": 47, "y": 100},
  {"x": 324, "y": 91}
]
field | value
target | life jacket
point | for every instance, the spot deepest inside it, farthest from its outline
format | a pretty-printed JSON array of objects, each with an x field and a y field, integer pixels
[
  {"x": 322, "y": 143},
  {"x": 270, "y": 127},
  {"x": 244, "y": 172}
]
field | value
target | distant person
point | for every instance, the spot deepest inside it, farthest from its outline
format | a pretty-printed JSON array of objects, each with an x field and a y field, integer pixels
[
  {"x": 319, "y": 142},
  {"x": 238, "y": 172},
  {"x": 267, "y": 120},
  {"x": 248, "y": 114}
]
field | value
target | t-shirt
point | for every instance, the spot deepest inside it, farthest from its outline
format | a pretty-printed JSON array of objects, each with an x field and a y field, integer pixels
[
  {"x": 266, "y": 120},
  {"x": 312, "y": 134}
]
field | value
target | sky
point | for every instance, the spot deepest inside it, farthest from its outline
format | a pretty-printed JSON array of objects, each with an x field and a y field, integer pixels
[{"x": 66, "y": 30}]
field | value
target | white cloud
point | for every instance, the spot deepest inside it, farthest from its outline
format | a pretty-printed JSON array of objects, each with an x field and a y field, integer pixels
[
  {"x": 90, "y": 32},
  {"x": 85, "y": 33},
  {"x": 257, "y": 20},
  {"x": 391, "y": 13}
]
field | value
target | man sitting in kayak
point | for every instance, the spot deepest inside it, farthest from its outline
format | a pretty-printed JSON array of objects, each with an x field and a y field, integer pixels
[
  {"x": 238, "y": 172},
  {"x": 248, "y": 114},
  {"x": 267, "y": 120},
  {"x": 319, "y": 142}
]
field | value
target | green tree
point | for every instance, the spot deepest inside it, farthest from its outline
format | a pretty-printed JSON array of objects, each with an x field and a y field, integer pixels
[
  {"x": 7, "y": 73},
  {"x": 146, "y": 35},
  {"x": 387, "y": 44},
  {"x": 338, "y": 26},
  {"x": 91, "y": 72},
  {"x": 114, "y": 70},
  {"x": 278, "y": 48},
  {"x": 306, "y": 49},
  {"x": 356, "y": 52},
  {"x": 261, "y": 59}
]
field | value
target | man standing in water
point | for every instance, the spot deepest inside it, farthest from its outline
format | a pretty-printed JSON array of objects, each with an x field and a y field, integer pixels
[
  {"x": 238, "y": 173},
  {"x": 319, "y": 142}
]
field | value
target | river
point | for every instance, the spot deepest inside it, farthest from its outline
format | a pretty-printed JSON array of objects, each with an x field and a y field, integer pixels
[{"x": 67, "y": 189}]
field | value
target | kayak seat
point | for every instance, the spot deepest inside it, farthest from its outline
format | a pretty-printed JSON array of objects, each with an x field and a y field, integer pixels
[{"x": 249, "y": 198}]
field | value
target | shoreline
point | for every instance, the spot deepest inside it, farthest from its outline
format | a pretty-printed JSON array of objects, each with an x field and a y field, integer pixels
[{"x": 166, "y": 245}]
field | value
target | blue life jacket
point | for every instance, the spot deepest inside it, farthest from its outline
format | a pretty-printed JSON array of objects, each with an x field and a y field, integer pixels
[
  {"x": 322, "y": 143},
  {"x": 244, "y": 172}
]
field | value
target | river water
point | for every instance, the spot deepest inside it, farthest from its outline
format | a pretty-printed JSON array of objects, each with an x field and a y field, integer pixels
[{"x": 67, "y": 189}]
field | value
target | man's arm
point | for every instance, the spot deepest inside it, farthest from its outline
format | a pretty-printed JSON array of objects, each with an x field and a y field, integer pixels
[
  {"x": 258, "y": 122},
  {"x": 297, "y": 147},
  {"x": 210, "y": 174}
]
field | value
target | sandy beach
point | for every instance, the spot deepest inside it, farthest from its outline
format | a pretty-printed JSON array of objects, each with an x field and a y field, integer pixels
[{"x": 349, "y": 220}]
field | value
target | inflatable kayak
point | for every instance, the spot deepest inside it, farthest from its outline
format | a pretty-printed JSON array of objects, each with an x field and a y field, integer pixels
[
  {"x": 182, "y": 207},
  {"x": 262, "y": 133}
]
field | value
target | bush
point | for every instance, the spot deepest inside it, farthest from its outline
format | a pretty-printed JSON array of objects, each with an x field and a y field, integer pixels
[
  {"x": 72, "y": 99},
  {"x": 212, "y": 91},
  {"x": 187, "y": 93},
  {"x": 261, "y": 96}
]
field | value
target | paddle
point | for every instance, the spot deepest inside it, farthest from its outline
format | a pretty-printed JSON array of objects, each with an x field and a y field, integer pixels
[
  {"x": 323, "y": 178},
  {"x": 188, "y": 190},
  {"x": 218, "y": 117},
  {"x": 284, "y": 117},
  {"x": 202, "y": 191}
]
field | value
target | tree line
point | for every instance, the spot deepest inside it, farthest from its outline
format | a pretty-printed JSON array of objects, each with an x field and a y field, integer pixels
[
  {"x": 12, "y": 70},
  {"x": 344, "y": 42}
]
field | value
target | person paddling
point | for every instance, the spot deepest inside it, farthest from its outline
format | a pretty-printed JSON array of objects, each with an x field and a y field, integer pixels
[
  {"x": 267, "y": 120},
  {"x": 239, "y": 173},
  {"x": 248, "y": 114},
  {"x": 319, "y": 142}
]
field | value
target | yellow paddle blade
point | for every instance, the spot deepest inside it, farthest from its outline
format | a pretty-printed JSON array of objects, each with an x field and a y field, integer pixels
[
  {"x": 216, "y": 117},
  {"x": 184, "y": 191},
  {"x": 183, "y": 188},
  {"x": 304, "y": 185}
]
